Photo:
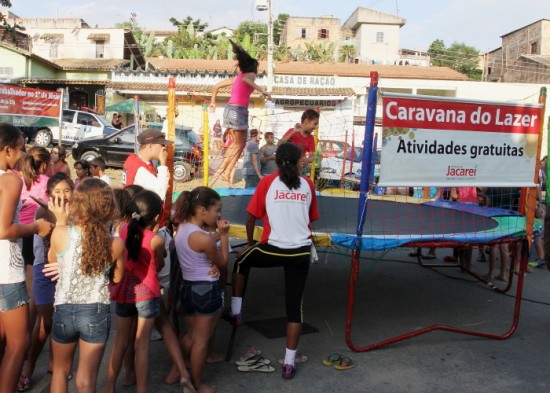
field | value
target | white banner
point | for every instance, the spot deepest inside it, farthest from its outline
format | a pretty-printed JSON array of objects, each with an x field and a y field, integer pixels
[{"x": 432, "y": 141}]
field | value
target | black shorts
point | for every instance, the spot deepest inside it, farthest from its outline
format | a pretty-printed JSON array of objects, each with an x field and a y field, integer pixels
[{"x": 295, "y": 262}]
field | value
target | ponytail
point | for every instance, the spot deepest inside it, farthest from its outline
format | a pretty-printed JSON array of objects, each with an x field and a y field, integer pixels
[
  {"x": 287, "y": 158},
  {"x": 143, "y": 211},
  {"x": 32, "y": 163}
]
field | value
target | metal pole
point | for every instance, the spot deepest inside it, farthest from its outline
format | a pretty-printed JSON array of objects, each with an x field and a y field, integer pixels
[{"x": 270, "y": 48}]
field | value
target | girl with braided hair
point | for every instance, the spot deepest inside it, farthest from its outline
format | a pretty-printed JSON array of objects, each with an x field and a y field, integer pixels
[{"x": 235, "y": 115}]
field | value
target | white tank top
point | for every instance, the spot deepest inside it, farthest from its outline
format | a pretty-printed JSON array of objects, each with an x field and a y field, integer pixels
[
  {"x": 12, "y": 268},
  {"x": 73, "y": 287},
  {"x": 194, "y": 265}
]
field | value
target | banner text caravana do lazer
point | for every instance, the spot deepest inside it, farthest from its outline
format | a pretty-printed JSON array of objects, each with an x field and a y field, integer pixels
[{"x": 437, "y": 141}]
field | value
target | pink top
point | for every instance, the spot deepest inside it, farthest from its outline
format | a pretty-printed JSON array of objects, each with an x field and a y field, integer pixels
[
  {"x": 240, "y": 92},
  {"x": 140, "y": 281},
  {"x": 467, "y": 195},
  {"x": 38, "y": 190}
]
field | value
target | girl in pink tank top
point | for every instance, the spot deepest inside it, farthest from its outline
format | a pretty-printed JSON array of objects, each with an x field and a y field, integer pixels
[{"x": 235, "y": 116}]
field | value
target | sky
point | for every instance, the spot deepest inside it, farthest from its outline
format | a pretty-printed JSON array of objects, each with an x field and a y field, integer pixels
[{"x": 477, "y": 23}]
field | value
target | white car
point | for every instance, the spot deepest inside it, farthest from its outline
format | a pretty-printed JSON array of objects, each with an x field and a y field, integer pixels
[
  {"x": 334, "y": 171},
  {"x": 75, "y": 125}
]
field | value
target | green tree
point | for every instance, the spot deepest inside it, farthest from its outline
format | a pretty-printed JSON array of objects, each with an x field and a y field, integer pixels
[
  {"x": 198, "y": 26},
  {"x": 437, "y": 52},
  {"x": 458, "y": 56},
  {"x": 346, "y": 52},
  {"x": 278, "y": 27},
  {"x": 10, "y": 30}
]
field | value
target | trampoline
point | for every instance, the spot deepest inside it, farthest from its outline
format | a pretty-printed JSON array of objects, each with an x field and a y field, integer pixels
[
  {"x": 387, "y": 225},
  {"x": 382, "y": 224}
]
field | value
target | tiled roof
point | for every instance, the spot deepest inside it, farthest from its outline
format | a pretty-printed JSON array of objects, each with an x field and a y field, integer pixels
[
  {"x": 90, "y": 64},
  {"x": 99, "y": 36},
  {"x": 206, "y": 89},
  {"x": 50, "y": 36},
  {"x": 544, "y": 60},
  {"x": 310, "y": 68},
  {"x": 37, "y": 81}
]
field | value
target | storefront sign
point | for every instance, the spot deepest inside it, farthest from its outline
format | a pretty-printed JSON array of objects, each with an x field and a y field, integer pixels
[{"x": 305, "y": 80}]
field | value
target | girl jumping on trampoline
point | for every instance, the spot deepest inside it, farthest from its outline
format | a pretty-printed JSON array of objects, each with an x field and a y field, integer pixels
[
  {"x": 235, "y": 115},
  {"x": 287, "y": 204}
]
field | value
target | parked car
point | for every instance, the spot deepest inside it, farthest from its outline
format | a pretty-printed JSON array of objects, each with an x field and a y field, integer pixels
[
  {"x": 75, "y": 125},
  {"x": 333, "y": 170},
  {"x": 331, "y": 148},
  {"x": 116, "y": 147}
]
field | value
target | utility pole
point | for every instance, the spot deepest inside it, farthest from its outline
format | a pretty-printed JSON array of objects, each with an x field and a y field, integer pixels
[{"x": 270, "y": 48}]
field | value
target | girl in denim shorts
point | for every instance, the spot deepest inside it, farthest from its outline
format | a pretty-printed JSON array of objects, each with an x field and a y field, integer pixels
[
  {"x": 14, "y": 300},
  {"x": 83, "y": 257},
  {"x": 198, "y": 254},
  {"x": 138, "y": 295}
]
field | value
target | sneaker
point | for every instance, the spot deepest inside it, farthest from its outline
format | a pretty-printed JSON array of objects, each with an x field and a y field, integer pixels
[
  {"x": 233, "y": 319},
  {"x": 289, "y": 371},
  {"x": 541, "y": 263}
]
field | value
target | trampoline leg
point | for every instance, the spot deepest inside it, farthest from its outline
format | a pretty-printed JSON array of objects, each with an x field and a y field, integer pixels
[{"x": 354, "y": 274}]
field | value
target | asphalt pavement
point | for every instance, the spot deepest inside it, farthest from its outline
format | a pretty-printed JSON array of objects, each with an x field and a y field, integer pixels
[{"x": 394, "y": 296}]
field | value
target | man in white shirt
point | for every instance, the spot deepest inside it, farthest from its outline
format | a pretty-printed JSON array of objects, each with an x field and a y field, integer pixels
[{"x": 138, "y": 168}]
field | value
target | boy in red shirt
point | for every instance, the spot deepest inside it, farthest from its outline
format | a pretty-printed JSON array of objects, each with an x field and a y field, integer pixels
[{"x": 302, "y": 135}]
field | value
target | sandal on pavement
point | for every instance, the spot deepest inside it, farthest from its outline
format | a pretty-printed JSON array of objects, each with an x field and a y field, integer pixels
[
  {"x": 345, "y": 364},
  {"x": 258, "y": 367},
  {"x": 300, "y": 358},
  {"x": 252, "y": 361},
  {"x": 428, "y": 256},
  {"x": 332, "y": 359},
  {"x": 250, "y": 352},
  {"x": 24, "y": 384}
]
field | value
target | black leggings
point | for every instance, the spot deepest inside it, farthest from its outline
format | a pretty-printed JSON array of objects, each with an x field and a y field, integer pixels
[{"x": 296, "y": 264}]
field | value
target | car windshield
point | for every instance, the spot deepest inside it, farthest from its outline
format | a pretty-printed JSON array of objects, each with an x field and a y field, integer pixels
[
  {"x": 103, "y": 121},
  {"x": 357, "y": 154}
]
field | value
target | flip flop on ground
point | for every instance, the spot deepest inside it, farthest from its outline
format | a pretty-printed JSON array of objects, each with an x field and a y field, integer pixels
[
  {"x": 345, "y": 364},
  {"x": 332, "y": 359},
  {"x": 257, "y": 367},
  {"x": 252, "y": 361}
]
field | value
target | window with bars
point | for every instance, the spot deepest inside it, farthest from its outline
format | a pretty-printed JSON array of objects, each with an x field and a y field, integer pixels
[
  {"x": 534, "y": 48},
  {"x": 99, "y": 49},
  {"x": 303, "y": 33},
  {"x": 380, "y": 37},
  {"x": 6, "y": 70},
  {"x": 322, "y": 33}
]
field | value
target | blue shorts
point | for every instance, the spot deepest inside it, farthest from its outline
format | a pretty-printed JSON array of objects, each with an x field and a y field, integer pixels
[
  {"x": 13, "y": 296},
  {"x": 201, "y": 297},
  {"x": 145, "y": 309},
  {"x": 43, "y": 287},
  {"x": 235, "y": 117},
  {"x": 87, "y": 322}
]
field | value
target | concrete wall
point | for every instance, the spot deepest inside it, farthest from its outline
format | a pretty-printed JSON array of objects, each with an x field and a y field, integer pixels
[
  {"x": 369, "y": 51},
  {"x": 75, "y": 43}
]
